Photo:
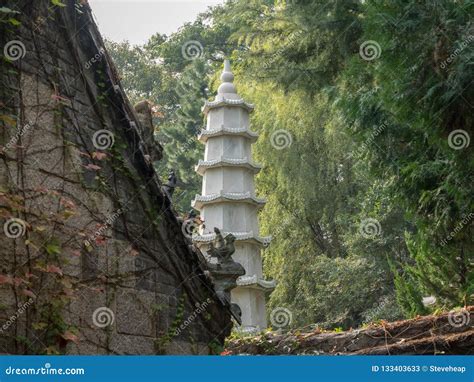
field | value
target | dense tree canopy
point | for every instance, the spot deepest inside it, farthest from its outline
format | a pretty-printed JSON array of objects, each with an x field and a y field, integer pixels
[{"x": 364, "y": 110}]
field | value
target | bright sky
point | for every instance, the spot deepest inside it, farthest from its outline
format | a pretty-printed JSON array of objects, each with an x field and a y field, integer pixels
[{"x": 136, "y": 21}]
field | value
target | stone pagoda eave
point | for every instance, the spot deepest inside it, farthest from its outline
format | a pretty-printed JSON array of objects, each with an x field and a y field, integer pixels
[
  {"x": 227, "y": 162},
  {"x": 226, "y": 197},
  {"x": 255, "y": 282},
  {"x": 244, "y": 237},
  {"x": 229, "y": 102},
  {"x": 206, "y": 134}
]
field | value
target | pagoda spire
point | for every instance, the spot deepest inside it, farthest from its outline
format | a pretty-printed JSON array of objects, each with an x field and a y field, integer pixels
[
  {"x": 228, "y": 200},
  {"x": 227, "y": 87}
]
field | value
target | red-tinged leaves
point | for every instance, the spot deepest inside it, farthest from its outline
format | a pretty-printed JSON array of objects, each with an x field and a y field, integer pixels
[
  {"x": 98, "y": 155},
  {"x": 100, "y": 240},
  {"x": 68, "y": 292},
  {"x": 76, "y": 253},
  {"x": 5, "y": 279},
  {"x": 28, "y": 293},
  {"x": 93, "y": 167},
  {"x": 69, "y": 336},
  {"x": 17, "y": 281},
  {"x": 54, "y": 269},
  {"x": 67, "y": 203}
]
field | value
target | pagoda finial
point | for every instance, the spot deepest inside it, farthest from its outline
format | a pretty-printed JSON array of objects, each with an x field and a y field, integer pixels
[{"x": 227, "y": 77}]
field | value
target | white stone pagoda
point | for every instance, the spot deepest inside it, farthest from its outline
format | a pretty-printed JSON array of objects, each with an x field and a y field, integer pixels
[{"x": 228, "y": 199}]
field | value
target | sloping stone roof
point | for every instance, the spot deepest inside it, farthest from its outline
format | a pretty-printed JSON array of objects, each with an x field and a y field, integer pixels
[{"x": 120, "y": 245}]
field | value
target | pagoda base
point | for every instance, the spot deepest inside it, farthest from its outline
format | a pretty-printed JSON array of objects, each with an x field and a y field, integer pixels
[{"x": 252, "y": 303}]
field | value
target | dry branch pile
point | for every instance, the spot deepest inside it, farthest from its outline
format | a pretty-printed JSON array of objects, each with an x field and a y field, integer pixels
[{"x": 448, "y": 333}]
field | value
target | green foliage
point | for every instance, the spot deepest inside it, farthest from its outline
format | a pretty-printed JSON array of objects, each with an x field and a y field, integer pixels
[{"x": 368, "y": 139}]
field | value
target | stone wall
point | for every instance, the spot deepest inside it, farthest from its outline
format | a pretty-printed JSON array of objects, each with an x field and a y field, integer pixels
[{"x": 92, "y": 257}]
